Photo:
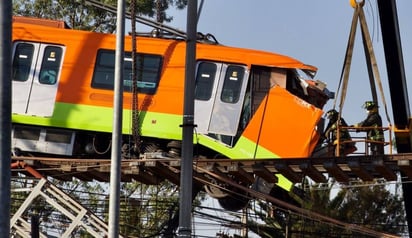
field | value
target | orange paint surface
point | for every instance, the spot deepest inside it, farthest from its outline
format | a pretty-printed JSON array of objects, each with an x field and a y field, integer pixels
[
  {"x": 81, "y": 51},
  {"x": 280, "y": 132},
  {"x": 276, "y": 131}
]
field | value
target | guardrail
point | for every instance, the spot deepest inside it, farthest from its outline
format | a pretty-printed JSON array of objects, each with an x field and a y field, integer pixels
[{"x": 362, "y": 140}]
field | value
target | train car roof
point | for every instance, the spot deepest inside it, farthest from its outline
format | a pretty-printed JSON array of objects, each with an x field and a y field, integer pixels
[
  {"x": 40, "y": 21},
  {"x": 252, "y": 57}
]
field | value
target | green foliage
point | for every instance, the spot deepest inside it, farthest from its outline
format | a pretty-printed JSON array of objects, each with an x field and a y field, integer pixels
[
  {"x": 145, "y": 209},
  {"x": 370, "y": 205},
  {"x": 274, "y": 221},
  {"x": 17, "y": 198},
  {"x": 75, "y": 13},
  {"x": 82, "y": 16}
]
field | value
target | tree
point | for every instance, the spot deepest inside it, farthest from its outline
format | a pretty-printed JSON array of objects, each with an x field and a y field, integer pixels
[
  {"x": 367, "y": 204},
  {"x": 82, "y": 16},
  {"x": 371, "y": 205}
]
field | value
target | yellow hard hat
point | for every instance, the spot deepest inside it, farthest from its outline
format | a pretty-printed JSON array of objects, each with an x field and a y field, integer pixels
[
  {"x": 369, "y": 105},
  {"x": 331, "y": 113}
]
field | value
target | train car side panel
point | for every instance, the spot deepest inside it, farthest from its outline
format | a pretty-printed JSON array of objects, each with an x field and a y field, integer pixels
[
  {"x": 83, "y": 117},
  {"x": 276, "y": 130},
  {"x": 81, "y": 104}
]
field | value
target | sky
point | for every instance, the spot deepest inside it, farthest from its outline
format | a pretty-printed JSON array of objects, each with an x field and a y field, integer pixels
[{"x": 314, "y": 32}]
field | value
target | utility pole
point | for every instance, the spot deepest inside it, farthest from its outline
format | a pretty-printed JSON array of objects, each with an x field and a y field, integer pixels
[
  {"x": 5, "y": 112},
  {"x": 114, "y": 203},
  {"x": 186, "y": 177},
  {"x": 395, "y": 68}
]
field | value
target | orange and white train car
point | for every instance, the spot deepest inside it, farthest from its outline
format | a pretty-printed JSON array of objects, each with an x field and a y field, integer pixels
[{"x": 248, "y": 103}]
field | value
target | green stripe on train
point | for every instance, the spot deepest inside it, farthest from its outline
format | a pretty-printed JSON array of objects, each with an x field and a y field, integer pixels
[
  {"x": 159, "y": 125},
  {"x": 244, "y": 149},
  {"x": 93, "y": 118}
]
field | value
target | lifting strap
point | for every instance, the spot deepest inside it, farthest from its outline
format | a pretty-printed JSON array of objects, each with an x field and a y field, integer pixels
[{"x": 370, "y": 60}]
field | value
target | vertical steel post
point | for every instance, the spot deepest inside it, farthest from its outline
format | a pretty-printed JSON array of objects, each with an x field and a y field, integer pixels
[
  {"x": 5, "y": 112},
  {"x": 35, "y": 232},
  {"x": 114, "y": 202},
  {"x": 395, "y": 68},
  {"x": 186, "y": 182}
]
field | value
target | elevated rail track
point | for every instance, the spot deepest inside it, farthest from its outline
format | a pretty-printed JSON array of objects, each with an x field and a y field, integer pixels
[{"x": 154, "y": 168}]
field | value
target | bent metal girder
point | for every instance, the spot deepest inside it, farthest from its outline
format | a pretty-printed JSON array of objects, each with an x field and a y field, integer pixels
[{"x": 152, "y": 169}]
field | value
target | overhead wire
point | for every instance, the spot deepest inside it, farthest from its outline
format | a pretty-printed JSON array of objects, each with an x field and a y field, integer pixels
[
  {"x": 96, "y": 166},
  {"x": 303, "y": 212},
  {"x": 296, "y": 213}
]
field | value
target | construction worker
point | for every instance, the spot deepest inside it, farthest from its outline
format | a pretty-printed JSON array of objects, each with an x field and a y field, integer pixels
[
  {"x": 331, "y": 133},
  {"x": 374, "y": 132}
]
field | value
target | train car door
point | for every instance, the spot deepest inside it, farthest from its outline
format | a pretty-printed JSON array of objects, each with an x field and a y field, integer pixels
[
  {"x": 35, "y": 77},
  {"x": 219, "y": 94}
]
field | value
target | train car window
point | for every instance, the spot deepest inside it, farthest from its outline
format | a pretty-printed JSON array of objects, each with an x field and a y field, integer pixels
[
  {"x": 293, "y": 84},
  {"x": 148, "y": 71},
  {"x": 50, "y": 65},
  {"x": 232, "y": 84},
  {"x": 205, "y": 79},
  {"x": 22, "y": 60}
]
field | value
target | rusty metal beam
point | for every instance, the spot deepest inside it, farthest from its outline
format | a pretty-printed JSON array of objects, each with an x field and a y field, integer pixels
[
  {"x": 336, "y": 172},
  {"x": 360, "y": 171},
  {"x": 386, "y": 172},
  {"x": 261, "y": 171},
  {"x": 159, "y": 169},
  {"x": 405, "y": 167},
  {"x": 237, "y": 171},
  {"x": 308, "y": 169}
]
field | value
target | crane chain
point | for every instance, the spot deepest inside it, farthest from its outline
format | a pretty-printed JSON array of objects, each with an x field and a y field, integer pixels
[{"x": 135, "y": 109}]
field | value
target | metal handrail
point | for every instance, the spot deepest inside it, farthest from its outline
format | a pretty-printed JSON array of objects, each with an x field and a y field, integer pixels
[{"x": 364, "y": 139}]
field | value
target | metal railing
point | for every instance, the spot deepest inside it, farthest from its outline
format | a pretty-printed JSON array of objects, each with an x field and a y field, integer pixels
[{"x": 358, "y": 139}]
